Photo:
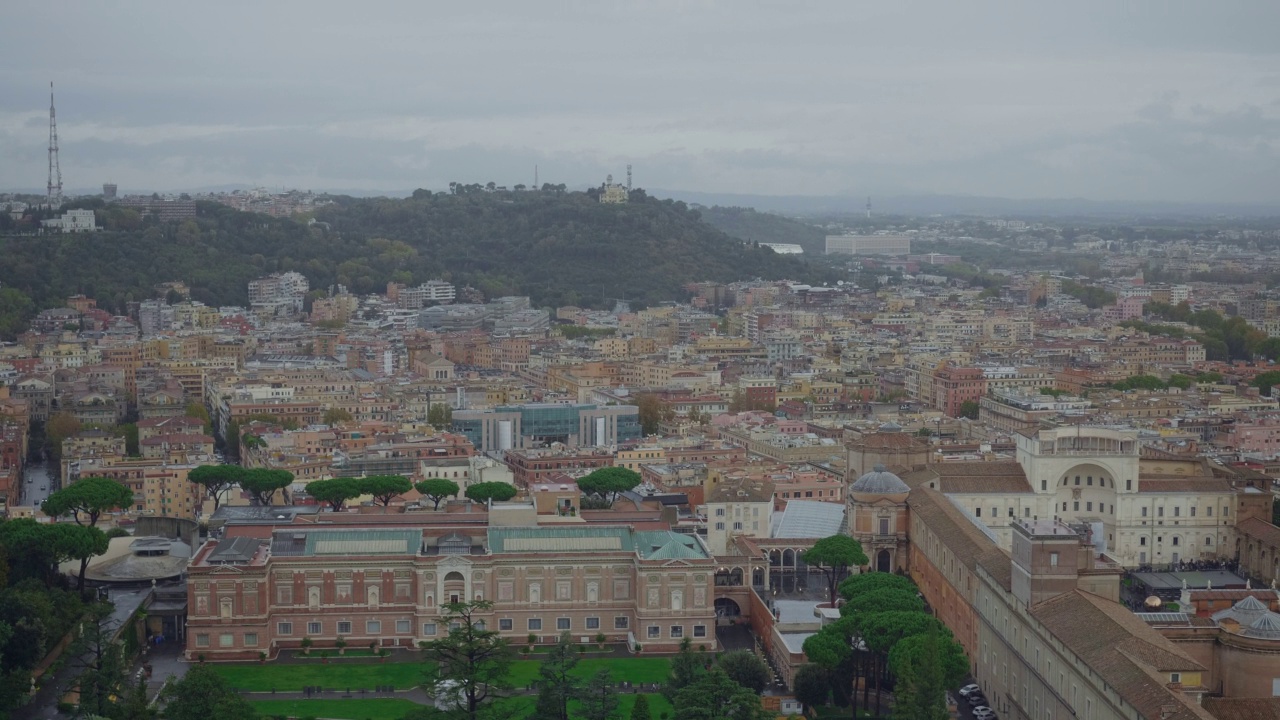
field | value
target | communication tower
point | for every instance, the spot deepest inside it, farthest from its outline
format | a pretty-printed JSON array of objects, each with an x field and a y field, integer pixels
[
  {"x": 628, "y": 177},
  {"x": 868, "y": 207},
  {"x": 55, "y": 172}
]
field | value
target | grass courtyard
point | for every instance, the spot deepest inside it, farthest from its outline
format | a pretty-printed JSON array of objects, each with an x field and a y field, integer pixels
[
  {"x": 393, "y": 709},
  {"x": 282, "y": 677}
]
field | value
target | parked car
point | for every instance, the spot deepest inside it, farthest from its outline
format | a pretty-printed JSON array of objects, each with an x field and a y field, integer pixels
[
  {"x": 975, "y": 698},
  {"x": 982, "y": 712},
  {"x": 969, "y": 689}
]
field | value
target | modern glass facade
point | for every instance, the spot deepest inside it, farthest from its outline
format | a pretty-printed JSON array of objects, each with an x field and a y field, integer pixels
[{"x": 518, "y": 426}]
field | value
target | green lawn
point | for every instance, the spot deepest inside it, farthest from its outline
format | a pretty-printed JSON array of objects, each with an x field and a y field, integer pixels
[
  {"x": 335, "y": 675},
  {"x": 355, "y": 675},
  {"x": 370, "y": 709},
  {"x": 522, "y": 705},
  {"x": 394, "y": 709},
  {"x": 637, "y": 670}
]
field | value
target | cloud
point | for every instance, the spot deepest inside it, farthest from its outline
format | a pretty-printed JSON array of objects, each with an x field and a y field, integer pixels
[{"x": 1140, "y": 100}]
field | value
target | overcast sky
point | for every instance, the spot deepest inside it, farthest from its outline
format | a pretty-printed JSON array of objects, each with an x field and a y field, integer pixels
[{"x": 1111, "y": 100}]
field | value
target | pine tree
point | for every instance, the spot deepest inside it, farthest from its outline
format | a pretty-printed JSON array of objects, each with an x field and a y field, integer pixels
[{"x": 640, "y": 711}]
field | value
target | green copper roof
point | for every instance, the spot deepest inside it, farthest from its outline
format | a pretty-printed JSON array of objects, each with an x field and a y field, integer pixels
[{"x": 667, "y": 545}]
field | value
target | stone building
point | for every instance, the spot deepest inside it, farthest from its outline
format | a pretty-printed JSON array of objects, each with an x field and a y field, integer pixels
[{"x": 389, "y": 585}]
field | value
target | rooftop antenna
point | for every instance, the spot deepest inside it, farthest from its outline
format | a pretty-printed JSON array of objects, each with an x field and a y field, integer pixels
[
  {"x": 868, "y": 207},
  {"x": 628, "y": 177},
  {"x": 55, "y": 172}
]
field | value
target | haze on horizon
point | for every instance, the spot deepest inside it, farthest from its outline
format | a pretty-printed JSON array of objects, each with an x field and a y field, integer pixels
[{"x": 1148, "y": 100}]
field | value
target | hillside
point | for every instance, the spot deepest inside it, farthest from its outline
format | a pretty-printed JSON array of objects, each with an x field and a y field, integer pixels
[
  {"x": 747, "y": 224},
  {"x": 559, "y": 248}
]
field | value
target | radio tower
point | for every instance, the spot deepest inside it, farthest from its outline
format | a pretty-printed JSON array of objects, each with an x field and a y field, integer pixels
[
  {"x": 868, "y": 207},
  {"x": 628, "y": 177},
  {"x": 55, "y": 172}
]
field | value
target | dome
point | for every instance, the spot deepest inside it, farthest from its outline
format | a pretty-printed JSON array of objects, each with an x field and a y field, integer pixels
[
  {"x": 881, "y": 482},
  {"x": 1244, "y": 612},
  {"x": 1266, "y": 626}
]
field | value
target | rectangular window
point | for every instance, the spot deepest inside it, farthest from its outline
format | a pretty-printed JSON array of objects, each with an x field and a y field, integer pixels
[
  {"x": 1075, "y": 505},
  {"x": 677, "y": 631},
  {"x": 1177, "y": 512},
  {"x": 1128, "y": 484},
  {"x": 1053, "y": 562},
  {"x": 505, "y": 624},
  {"x": 202, "y": 640},
  {"x": 1193, "y": 511},
  {"x": 593, "y": 623},
  {"x": 251, "y": 639},
  {"x": 1088, "y": 506},
  {"x": 977, "y": 512},
  {"x": 654, "y": 632},
  {"x": 621, "y": 622},
  {"x": 737, "y": 526},
  {"x": 1160, "y": 511},
  {"x": 719, "y": 512},
  {"x": 562, "y": 623},
  {"x": 344, "y": 627},
  {"x": 373, "y": 627},
  {"x": 404, "y": 627},
  {"x": 1226, "y": 510},
  {"x": 226, "y": 640},
  {"x": 1144, "y": 512},
  {"x": 284, "y": 628},
  {"x": 428, "y": 629},
  {"x": 315, "y": 628},
  {"x": 1208, "y": 512},
  {"x": 719, "y": 526},
  {"x": 535, "y": 623}
]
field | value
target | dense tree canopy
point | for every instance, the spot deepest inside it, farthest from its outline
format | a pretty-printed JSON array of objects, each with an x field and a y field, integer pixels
[
  {"x": 384, "y": 488},
  {"x": 834, "y": 556},
  {"x": 264, "y": 483},
  {"x": 607, "y": 482},
  {"x": 336, "y": 491},
  {"x": 486, "y": 491},
  {"x": 203, "y": 694},
  {"x": 216, "y": 479},
  {"x": 87, "y": 499},
  {"x": 560, "y": 248},
  {"x": 436, "y": 490}
]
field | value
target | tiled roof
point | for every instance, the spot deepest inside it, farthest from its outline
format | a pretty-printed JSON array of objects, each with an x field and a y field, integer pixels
[
  {"x": 888, "y": 441},
  {"x": 972, "y": 477},
  {"x": 1243, "y": 708},
  {"x": 1260, "y": 530},
  {"x": 1123, "y": 650},
  {"x": 970, "y": 545}
]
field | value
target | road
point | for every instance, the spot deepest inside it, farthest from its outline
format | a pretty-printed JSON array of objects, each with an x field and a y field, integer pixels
[{"x": 37, "y": 483}]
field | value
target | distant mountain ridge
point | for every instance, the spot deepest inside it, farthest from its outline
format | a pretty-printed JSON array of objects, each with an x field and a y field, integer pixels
[{"x": 922, "y": 205}]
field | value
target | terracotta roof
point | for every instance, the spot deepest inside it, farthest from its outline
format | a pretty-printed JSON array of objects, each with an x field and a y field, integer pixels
[
  {"x": 1123, "y": 650},
  {"x": 1169, "y": 484},
  {"x": 1004, "y": 476},
  {"x": 1262, "y": 594},
  {"x": 1260, "y": 530},
  {"x": 889, "y": 441},
  {"x": 971, "y": 545},
  {"x": 1243, "y": 708}
]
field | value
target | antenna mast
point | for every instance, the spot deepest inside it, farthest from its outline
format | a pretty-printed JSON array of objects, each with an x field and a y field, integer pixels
[
  {"x": 55, "y": 172},
  {"x": 535, "y": 177},
  {"x": 628, "y": 177},
  {"x": 868, "y": 207}
]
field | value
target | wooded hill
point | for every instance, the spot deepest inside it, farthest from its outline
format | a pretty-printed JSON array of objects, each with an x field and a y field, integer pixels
[
  {"x": 558, "y": 247},
  {"x": 747, "y": 224}
]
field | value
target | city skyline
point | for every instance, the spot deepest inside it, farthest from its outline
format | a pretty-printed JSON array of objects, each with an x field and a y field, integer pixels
[{"x": 1135, "y": 103}]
